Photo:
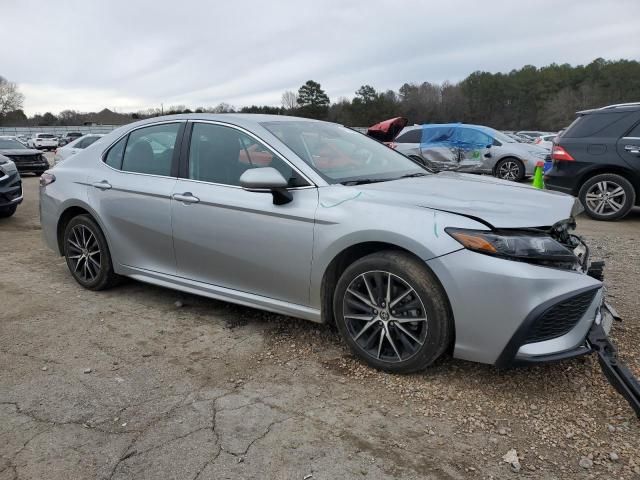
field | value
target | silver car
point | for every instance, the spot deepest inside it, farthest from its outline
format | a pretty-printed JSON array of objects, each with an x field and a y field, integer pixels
[
  {"x": 314, "y": 220},
  {"x": 471, "y": 149}
]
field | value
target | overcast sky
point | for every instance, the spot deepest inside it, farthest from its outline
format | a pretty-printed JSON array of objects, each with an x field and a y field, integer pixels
[{"x": 131, "y": 55}]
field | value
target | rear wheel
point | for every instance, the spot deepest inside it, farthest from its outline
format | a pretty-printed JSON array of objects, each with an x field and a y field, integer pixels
[
  {"x": 87, "y": 254},
  {"x": 510, "y": 169},
  {"x": 392, "y": 312},
  {"x": 607, "y": 196},
  {"x": 8, "y": 211}
]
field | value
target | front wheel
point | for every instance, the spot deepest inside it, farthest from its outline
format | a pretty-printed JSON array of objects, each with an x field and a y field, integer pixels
[
  {"x": 87, "y": 254},
  {"x": 392, "y": 312},
  {"x": 510, "y": 169},
  {"x": 607, "y": 196}
]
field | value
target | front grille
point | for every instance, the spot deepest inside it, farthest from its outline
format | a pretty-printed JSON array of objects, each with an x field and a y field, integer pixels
[
  {"x": 35, "y": 159},
  {"x": 560, "y": 318}
]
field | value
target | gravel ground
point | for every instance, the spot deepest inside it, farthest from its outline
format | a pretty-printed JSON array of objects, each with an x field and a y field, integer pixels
[{"x": 143, "y": 382}]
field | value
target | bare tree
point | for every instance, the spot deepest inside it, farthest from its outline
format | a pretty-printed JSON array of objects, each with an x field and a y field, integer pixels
[
  {"x": 10, "y": 98},
  {"x": 289, "y": 100}
]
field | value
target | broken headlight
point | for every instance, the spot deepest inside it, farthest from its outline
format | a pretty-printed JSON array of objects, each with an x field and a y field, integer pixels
[{"x": 522, "y": 245}]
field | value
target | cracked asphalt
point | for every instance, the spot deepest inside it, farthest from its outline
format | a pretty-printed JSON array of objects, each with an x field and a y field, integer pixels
[{"x": 124, "y": 384}]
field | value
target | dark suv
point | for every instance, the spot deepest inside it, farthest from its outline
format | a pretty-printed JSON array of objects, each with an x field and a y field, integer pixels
[
  {"x": 597, "y": 159},
  {"x": 10, "y": 187}
]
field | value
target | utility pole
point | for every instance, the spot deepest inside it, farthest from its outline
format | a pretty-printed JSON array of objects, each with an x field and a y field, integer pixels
[{"x": 161, "y": 109}]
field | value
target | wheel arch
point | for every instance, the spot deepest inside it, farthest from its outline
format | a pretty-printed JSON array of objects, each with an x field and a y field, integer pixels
[
  {"x": 69, "y": 212},
  {"x": 628, "y": 174},
  {"x": 508, "y": 156},
  {"x": 348, "y": 256}
]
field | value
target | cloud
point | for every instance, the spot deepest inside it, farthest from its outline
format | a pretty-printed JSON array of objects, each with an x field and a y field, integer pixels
[{"x": 134, "y": 55}]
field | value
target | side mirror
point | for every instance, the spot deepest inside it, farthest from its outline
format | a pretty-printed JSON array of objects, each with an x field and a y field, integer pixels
[{"x": 267, "y": 178}]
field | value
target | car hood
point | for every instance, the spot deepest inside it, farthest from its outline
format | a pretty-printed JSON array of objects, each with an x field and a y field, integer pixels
[
  {"x": 15, "y": 152},
  {"x": 500, "y": 203}
]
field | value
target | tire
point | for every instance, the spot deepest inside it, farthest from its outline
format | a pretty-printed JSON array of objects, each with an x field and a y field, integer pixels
[
  {"x": 414, "y": 345},
  {"x": 607, "y": 196},
  {"x": 6, "y": 212},
  {"x": 82, "y": 235},
  {"x": 510, "y": 168}
]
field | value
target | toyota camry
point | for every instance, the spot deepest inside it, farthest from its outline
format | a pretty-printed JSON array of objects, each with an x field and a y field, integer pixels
[{"x": 314, "y": 220}]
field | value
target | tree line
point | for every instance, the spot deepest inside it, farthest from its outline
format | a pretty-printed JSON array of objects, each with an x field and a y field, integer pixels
[{"x": 544, "y": 98}]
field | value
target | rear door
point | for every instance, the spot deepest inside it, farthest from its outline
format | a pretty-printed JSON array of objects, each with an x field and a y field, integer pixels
[
  {"x": 229, "y": 237},
  {"x": 131, "y": 193},
  {"x": 629, "y": 148},
  {"x": 437, "y": 146}
]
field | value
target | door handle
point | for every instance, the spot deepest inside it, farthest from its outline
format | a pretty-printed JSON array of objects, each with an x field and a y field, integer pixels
[
  {"x": 186, "y": 197},
  {"x": 103, "y": 185},
  {"x": 633, "y": 149}
]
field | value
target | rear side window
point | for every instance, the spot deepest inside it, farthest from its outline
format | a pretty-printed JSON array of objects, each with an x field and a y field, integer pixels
[
  {"x": 412, "y": 136},
  {"x": 114, "y": 156},
  {"x": 609, "y": 124},
  {"x": 150, "y": 149}
]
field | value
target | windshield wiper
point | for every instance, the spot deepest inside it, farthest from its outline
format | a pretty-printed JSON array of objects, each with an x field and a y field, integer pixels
[
  {"x": 411, "y": 175},
  {"x": 362, "y": 181}
]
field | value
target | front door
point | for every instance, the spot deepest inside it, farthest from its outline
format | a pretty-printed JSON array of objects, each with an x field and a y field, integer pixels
[
  {"x": 629, "y": 148},
  {"x": 229, "y": 237}
]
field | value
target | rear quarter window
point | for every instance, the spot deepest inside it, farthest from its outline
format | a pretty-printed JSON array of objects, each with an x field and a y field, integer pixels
[{"x": 609, "y": 124}]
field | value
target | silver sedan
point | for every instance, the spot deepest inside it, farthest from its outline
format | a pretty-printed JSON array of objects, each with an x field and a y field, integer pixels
[
  {"x": 471, "y": 149},
  {"x": 314, "y": 220}
]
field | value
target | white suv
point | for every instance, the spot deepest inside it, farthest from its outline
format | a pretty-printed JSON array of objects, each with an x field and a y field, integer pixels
[{"x": 44, "y": 141}]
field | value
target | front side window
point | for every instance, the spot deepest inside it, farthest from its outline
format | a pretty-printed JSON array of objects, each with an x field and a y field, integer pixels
[
  {"x": 220, "y": 154},
  {"x": 150, "y": 149},
  {"x": 340, "y": 154},
  {"x": 473, "y": 138}
]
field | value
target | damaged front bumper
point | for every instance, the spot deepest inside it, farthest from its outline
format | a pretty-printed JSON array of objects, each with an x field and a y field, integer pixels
[{"x": 617, "y": 373}]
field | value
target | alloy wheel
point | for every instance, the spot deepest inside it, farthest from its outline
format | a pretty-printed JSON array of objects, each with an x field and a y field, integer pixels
[
  {"x": 509, "y": 170},
  {"x": 84, "y": 253},
  {"x": 384, "y": 316},
  {"x": 605, "y": 197}
]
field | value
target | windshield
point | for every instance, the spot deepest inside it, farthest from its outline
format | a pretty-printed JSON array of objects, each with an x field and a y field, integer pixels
[
  {"x": 45, "y": 135},
  {"x": 9, "y": 143},
  {"x": 340, "y": 154}
]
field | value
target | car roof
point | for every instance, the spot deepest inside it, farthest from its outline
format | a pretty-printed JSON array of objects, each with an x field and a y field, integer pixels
[
  {"x": 627, "y": 107},
  {"x": 239, "y": 119},
  {"x": 449, "y": 125}
]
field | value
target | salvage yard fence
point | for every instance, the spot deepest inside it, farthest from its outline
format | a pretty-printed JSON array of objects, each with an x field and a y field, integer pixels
[{"x": 31, "y": 131}]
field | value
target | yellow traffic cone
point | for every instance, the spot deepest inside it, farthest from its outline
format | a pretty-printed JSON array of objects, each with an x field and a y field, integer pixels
[{"x": 538, "y": 179}]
